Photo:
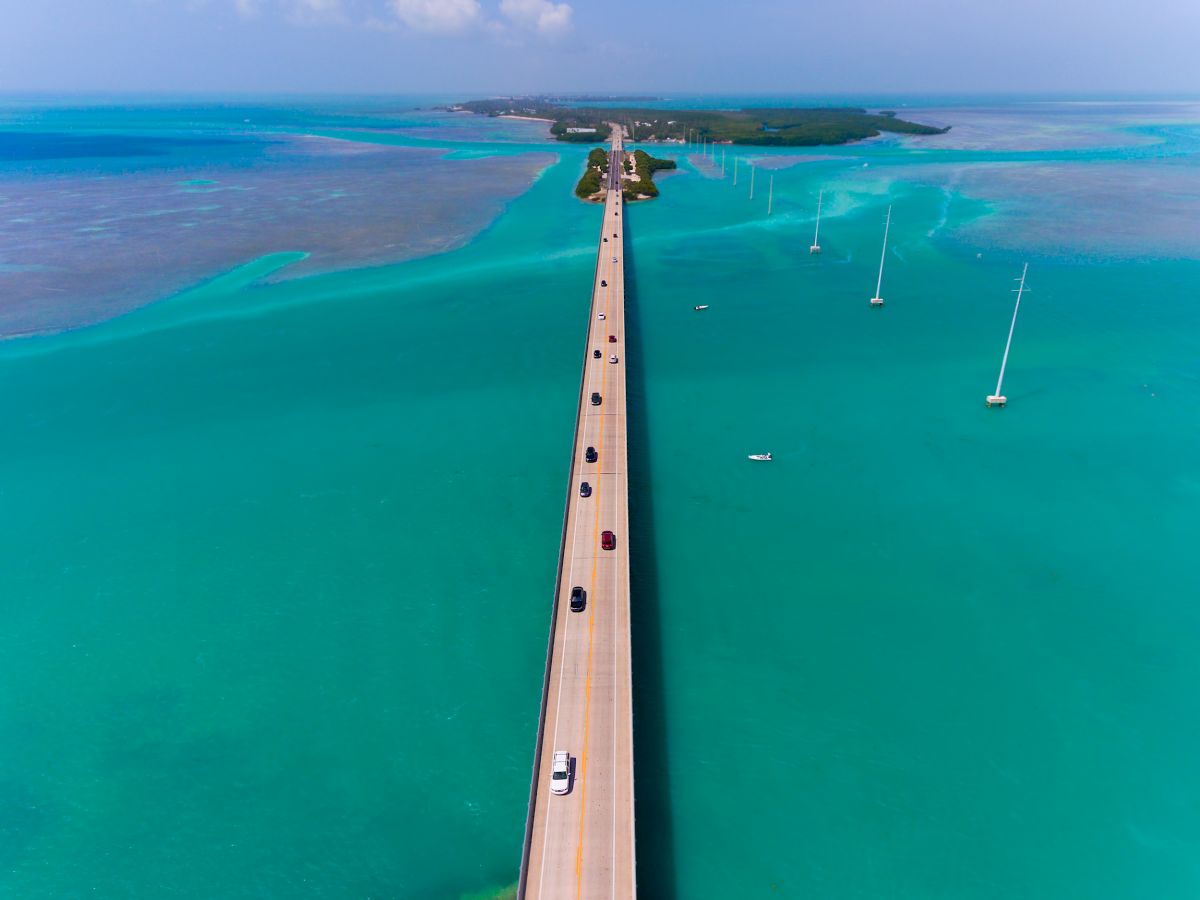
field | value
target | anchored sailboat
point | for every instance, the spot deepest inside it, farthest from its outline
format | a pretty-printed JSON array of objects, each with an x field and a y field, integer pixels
[
  {"x": 998, "y": 399},
  {"x": 877, "y": 300},
  {"x": 816, "y": 244}
]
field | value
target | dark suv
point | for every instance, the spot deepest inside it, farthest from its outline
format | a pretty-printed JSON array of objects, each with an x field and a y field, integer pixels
[
  {"x": 595, "y": 398},
  {"x": 591, "y": 455},
  {"x": 578, "y": 599},
  {"x": 585, "y": 489}
]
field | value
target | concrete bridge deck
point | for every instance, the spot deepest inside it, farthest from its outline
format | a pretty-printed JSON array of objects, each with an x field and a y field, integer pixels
[{"x": 581, "y": 846}]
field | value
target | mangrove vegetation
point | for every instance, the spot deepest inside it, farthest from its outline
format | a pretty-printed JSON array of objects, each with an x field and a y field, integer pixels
[
  {"x": 644, "y": 167},
  {"x": 765, "y": 126},
  {"x": 593, "y": 175}
]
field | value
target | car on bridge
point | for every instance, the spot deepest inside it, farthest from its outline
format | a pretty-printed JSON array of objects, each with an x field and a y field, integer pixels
[
  {"x": 560, "y": 773},
  {"x": 603, "y": 283},
  {"x": 595, "y": 354},
  {"x": 578, "y": 599},
  {"x": 614, "y": 259},
  {"x": 585, "y": 489},
  {"x": 613, "y": 358},
  {"x": 595, "y": 398},
  {"x": 608, "y": 540},
  {"x": 591, "y": 455},
  {"x": 612, "y": 338}
]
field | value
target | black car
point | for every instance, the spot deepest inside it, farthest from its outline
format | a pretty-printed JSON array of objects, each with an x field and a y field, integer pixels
[
  {"x": 595, "y": 354},
  {"x": 595, "y": 398},
  {"x": 606, "y": 239},
  {"x": 603, "y": 283},
  {"x": 591, "y": 455},
  {"x": 585, "y": 489},
  {"x": 578, "y": 599}
]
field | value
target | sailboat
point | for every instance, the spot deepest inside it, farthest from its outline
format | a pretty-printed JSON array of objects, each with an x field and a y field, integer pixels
[
  {"x": 700, "y": 307},
  {"x": 816, "y": 244},
  {"x": 877, "y": 300},
  {"x": 998, "y": 399},
  {"x": 760, "y": 457}
]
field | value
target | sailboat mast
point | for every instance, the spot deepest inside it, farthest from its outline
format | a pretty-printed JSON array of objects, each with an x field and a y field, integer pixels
[
  {"x": 817, "y": 230},
  {"x": 877, "y": 300},
  {"x": 770, "y": 193},
  {"x": 1012, "y": 326},
  {"x": 752, "y": 168}
]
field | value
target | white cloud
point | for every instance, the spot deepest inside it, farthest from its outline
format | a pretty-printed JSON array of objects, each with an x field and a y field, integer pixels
[
  {"x": 542, "y": 16},
  {"x": 443, "y": 16},
  {"x": 247, "y": 9},
  {"x": 314, "y": 11}
]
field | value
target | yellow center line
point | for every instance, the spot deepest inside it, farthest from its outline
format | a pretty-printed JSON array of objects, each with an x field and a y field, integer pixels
[{"x": 587, "y": 689}]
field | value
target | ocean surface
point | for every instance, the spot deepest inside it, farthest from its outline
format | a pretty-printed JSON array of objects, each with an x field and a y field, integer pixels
[{"x": 282, "y": 491}]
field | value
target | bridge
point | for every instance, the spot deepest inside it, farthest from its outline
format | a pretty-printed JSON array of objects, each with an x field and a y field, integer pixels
[{"x": 580, "y": 845}]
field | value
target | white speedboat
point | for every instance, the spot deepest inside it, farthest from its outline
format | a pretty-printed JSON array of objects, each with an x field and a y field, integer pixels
[
  {"x": 760, "y": 457},
  {"x": 702, "y": 306}
]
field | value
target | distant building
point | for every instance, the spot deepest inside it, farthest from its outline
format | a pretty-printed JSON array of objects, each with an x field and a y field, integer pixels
[{"x": 581, "y": 131}]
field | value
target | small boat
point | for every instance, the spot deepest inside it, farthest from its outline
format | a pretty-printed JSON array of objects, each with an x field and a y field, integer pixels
[
  {"x": 700, "y": 307},
  {"x": 760, "y": 457}
]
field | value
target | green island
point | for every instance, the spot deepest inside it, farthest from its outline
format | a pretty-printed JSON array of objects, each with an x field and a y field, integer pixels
[
  {"x": 593, "y": 176},
  {"x": 763, "y": 126},
  {"x": 644, "y": 166}
]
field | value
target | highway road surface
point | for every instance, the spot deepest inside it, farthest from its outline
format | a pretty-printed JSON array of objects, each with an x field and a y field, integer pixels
[{"x": 580, "y": 846}]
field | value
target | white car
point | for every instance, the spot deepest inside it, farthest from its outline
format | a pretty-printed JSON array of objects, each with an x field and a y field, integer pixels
[
  {"x": 560, "y": 773},
  {"x": 612, "y": 359},
  {"x": 600, "y": 316},
  {"x": 614, "y": 259}
]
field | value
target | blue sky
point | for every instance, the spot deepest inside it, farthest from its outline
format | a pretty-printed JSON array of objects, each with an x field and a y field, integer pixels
[{"x": 496, "y": 46}]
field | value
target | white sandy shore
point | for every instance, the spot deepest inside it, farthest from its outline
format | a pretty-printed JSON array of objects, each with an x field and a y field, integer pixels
[{"x": 525, "y": 118}]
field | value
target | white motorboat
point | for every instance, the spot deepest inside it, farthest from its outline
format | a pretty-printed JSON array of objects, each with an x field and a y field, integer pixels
[
  {"x": 760, "y": 457},
  {"x": 702, "y": 306}
]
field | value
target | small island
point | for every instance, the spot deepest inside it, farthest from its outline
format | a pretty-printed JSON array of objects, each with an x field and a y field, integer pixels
[
  {"x": 639, "y": 183},
  {"x": 761, "y": 126},
  {"x": 591, "y": 185},
  {"x": 637, "y": 176}
]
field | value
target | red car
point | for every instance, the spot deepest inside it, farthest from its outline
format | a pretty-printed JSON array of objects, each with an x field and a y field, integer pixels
[
  {"x": 612, "y": 338},
  {"x": 608, "y": 540}
]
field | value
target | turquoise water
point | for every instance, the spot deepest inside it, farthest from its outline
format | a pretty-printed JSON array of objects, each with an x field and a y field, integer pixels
[
  {"x": 276, "y": 554},
  {"x": 934, "y": 650}
]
